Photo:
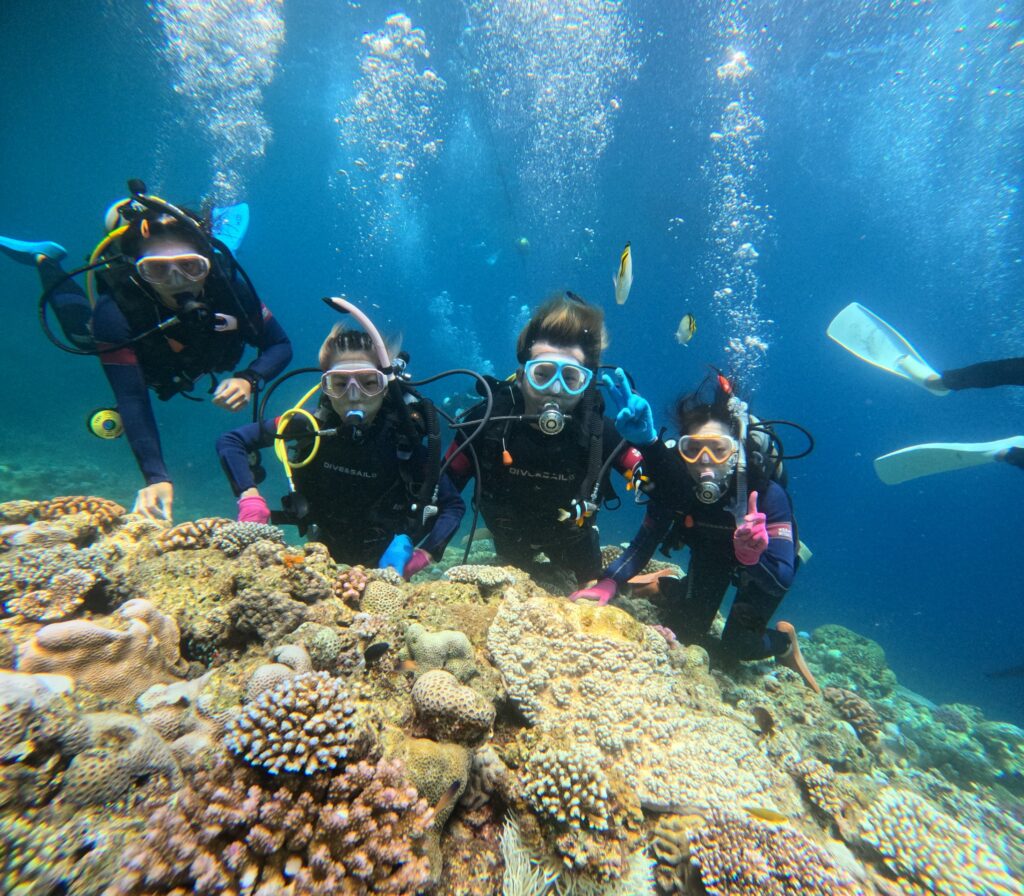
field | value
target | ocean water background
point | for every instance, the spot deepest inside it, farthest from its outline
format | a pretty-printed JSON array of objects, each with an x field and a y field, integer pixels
[{"x": 801, "y": 155}]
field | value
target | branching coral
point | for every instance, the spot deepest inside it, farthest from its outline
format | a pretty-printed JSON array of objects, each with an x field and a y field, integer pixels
[
  {"x": 191, "y": 535},
  {"x": 930, "y": 852},
  {"x": 66, "y": 594},
  {"x": 737, "y": 855},
  {"x": 306, "y": 723},
  {"x": 234, "y": 538},
  {"x": 356, "y": 833},
  {"x": 350, "y": 583}
]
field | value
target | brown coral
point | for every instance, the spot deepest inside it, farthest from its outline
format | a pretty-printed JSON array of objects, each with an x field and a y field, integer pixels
[
  {"x": 115, "y": 664},
  {"x": 818, "y": 782},
  {"x": 102, "y": 512},
  {"x": 66, "y": 594},
  {"x": 356, "y": 833},
  {"x": 858, "y": 712},
  {"x": 452, "y": 711},
  {"x": 737, "y": 855},
  {"x": 192, "y": 534},
  {"x": 382, "y": 598}
]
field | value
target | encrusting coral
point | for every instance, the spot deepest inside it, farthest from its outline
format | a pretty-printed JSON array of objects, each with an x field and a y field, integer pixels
[
  {"x": 449, "y": 650},
  {"x": 306, "y": 723},
  {"x": 113, "y": 663},
  {"x": 356, "y": 833}
]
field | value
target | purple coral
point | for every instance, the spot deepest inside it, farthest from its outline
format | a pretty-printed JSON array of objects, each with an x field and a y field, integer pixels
[{"x": 357, "y": 833}]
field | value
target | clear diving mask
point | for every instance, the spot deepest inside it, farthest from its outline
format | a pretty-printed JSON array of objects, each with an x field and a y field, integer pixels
[
  {"x": 353, "y": 382},
  {"x": 173, "y": 270}
]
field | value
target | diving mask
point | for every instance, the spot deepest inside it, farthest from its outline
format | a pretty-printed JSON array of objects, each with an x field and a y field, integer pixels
[
  {"x": 543, "y": 374},
  {"x": 342, "y": 381},
  {"x": 709, "y": 449},
  {"x": 169, "y": 270}
]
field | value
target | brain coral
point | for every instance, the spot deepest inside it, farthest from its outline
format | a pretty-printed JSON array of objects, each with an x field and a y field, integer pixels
[
  {"x": 451, "y": 710},
  {"x": 930, "y": 852},
  {"x": 737, "y": 855},
  {"x": 605, "y": 680},
  {"x": 305, "y": 723},
  {"x": 234, "y": 831}
]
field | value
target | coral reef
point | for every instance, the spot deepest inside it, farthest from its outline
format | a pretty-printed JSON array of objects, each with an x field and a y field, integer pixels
[
  {"x": 851, "y": 661},
  {"x": 858, "y": 712},
  {"x": 360, "y": 832},
  {"x": 192, "y": 535},
  {"x": 382, "y": 598},
  {"x": 349, "y": 584},
  {"x": 306, "y": 723},
  {"x": 234, "y": 538},
  {"x": 448, "y": 650},
  {"x": 486, "y": 578},
  {"x": 116, "y": 664},
  {"x": 930, "y": 852},
  {"x": 267, "y": 615},
  {"x": 451, "y": 711},
  {"x": 65, "y": 595}
]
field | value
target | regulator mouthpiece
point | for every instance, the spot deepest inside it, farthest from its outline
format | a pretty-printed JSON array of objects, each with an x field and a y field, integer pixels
[
  {"x": 551, "y": 420},
  {"x": 355, "y": 417},
  {"x": 709, "y": 491}
]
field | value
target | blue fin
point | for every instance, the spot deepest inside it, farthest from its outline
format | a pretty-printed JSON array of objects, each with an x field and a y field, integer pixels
[
  {"x": 230, "y": 224},
  {"x": 26, "y": 252}
]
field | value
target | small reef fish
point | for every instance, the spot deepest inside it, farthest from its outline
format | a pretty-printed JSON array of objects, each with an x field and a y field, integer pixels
[
  {"x": 687, "y": 327},
  {"x": 448, "y": 797},
  {"x": 764, "y": 719},
  {"x": 375, "y": 651},
  {"x": 765, "y": 814},
  {"x": 578, "y": 512},
  {"x": 623, "y": 278}
]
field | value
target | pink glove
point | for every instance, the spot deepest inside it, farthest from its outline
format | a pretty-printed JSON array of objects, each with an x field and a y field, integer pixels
[
  {"x": 253, "y": 510},
  {"x": 750, "y": 540},
  {"x": 602, "y": 592},
  {"x": 420, "y": 559}
]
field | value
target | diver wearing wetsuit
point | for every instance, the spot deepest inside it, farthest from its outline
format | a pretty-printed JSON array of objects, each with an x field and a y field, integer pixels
[{"x": 985, "y": 375}]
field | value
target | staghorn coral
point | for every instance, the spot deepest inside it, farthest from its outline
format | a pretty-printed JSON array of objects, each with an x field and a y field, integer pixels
[
  {"x": 858, "y": 712},
  {"x": 451, "y": 711},
  {"x": 929, "y": 852},
  {"x": 65, "y": 595},
  {"x": 449, "y": 650},
  {"x": 123, "y": 752},
  {"x": 115, "y": 664},
  {"x": 606, "y": 680},
  {"x": 356, "y": 833},
  {"x": 305, "y": 723},
  {"x": 102, "y": 512},
  {"x": 349, "y": 584},
  {"x": 736, "y": 855},
  {"x": 234, "y": 538},
  {"x": 192, "y": 534}
]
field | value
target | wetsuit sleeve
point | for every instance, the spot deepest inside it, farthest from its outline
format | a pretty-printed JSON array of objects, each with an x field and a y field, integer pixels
[
  {"x": 233, "y": 449},
  {"x": 450, "y": 510},
  {"x": 110, "y": 328},
  {"x": 774, "y": 571},
  {"x": 654, "y": 528},
  {"x": 275, "y": 348},
  {"x": 986, "y": 375}
]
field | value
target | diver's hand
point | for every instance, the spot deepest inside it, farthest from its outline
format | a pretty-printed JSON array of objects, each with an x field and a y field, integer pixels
[
  {"x": 233, "y": 394},
  {"x": 419, "y": 560},
  {"x": 252, "y": 508},
  {"x": 751, "y": 538},
  {"x": 634, "y": 419},
  {"x": 398, "y": 553},
  {"x": 155, "y": 501},
  {"x": 602, "y": 591}
]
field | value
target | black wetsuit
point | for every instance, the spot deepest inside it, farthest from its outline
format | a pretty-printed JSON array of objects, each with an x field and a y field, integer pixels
[
  {"x": 356, "y": 487},
  {"x": 168, "y": 362},
  {"x": 520, "y": 502},
  {"x": 675, "y": 518},
  {"x": 988, "y": 375}
]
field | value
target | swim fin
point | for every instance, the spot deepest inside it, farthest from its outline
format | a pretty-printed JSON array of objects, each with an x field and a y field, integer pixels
[
  {"x": 871, "y": 339},
  {"x": 230, "y": 223},
  {"x": 26, "y": 253},
  {"x": 940, "y": 457}
]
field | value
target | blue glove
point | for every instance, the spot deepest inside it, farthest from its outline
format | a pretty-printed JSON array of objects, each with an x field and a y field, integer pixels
[
  {"x": 634, "y": 420},
  {"x": 397, "y": 553}
]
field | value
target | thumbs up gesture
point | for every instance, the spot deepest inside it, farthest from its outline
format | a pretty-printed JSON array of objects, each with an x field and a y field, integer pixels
[{"x": 751, "y": 538}]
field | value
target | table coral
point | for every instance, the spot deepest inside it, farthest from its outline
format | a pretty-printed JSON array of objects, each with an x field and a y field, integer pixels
[
  {"x": 307, "y": 723},
  {"x": 356, "y": 833},
  {"x": 929, "y": 852},
  {"x": 606, "y": 680},
  {"x": 113, "y": 663},
  {"x": 451, "y": 711},
  {"x": 737, "y": 855}
]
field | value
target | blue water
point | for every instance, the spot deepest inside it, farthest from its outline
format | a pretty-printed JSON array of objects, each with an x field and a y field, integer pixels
[{"x": 878, "y": 159}]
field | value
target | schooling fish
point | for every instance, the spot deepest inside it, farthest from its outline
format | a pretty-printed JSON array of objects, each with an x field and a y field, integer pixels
[
  {"x": 623, "y": 278},
  {"x": 687, "y": 327}
]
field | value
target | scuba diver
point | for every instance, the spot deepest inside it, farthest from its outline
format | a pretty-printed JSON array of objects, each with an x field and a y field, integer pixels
[
  {"x": 173, "y": 306},
  {"x": 546, "y": 450},
  {"x": 715, "y": 491},
  {"x": 364, "y": 483}
]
